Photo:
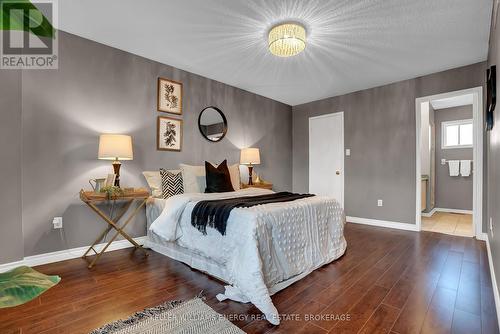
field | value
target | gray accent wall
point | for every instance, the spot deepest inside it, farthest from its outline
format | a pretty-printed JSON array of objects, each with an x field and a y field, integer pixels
[
  {"x": 493, "y": 165},
  {"x": 379, "y": 128},
  {"x": 100, "y": 89},
  {"x": 11, "y": 233},
  {"x": 452, "y": 192}
]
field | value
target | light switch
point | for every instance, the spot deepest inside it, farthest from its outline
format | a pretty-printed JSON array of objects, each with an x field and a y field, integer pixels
[{"x": 348, "y": 152}]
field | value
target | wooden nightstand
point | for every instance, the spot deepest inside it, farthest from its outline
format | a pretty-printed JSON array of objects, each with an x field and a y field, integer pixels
[
  {"x": 92, "y": 200},
  {"x": 258, "y": 185}
]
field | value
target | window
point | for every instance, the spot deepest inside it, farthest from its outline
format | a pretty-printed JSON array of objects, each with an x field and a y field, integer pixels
[{"x": 456, "y": 134}]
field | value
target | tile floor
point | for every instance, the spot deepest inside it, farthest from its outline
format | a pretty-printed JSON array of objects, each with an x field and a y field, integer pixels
[{"x": 449, "y": 223}]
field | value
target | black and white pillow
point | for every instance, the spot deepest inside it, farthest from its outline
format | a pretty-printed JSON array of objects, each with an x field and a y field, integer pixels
[{"x": 171, "y": 183}]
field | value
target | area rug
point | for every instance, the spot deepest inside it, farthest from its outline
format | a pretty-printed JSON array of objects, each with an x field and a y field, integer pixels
[
  {"x": 22, "y": 284},
  {"x": 192, "y": 316}
]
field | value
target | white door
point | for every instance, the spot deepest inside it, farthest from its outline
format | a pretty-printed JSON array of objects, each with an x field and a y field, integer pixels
[{"x": 326, "y": 156}]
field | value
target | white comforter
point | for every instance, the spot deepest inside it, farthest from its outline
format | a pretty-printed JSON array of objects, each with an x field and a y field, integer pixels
[{"x": 264, "y": 245}]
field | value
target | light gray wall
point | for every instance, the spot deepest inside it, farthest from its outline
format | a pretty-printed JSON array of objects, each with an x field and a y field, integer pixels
[
  {"x": 11, "y": 234},
  {"x": 101, "y": 89},
  {"x": 452, "y": 192},
  {"x": 493, "y": 165},
  {"x": 380, "y": 131}
]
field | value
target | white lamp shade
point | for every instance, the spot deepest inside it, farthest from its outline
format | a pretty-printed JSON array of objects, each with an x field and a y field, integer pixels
[
  {"x": 250, "y": 156},
  {"x": 115, "y": 147}
]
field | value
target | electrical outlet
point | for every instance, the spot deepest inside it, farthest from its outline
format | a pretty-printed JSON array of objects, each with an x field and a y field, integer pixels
[
  {"x": 57, "y": 222},
  {"x": 380, "y": 203},
  {"x": 348, "y": 152},
  {"x": 491, "y": 226}
]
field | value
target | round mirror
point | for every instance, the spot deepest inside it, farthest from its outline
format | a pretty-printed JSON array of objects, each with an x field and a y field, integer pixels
[{"x": 212, "y": 124}]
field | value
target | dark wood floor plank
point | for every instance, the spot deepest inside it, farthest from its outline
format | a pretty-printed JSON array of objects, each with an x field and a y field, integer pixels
[
  {"x": 415, "y": 309},
  {"x": 466, "y": 323},
  {"x": 381, "y": 321},
  {"x": 347, "y": 299},
  {"x": 388, "y": 280},
  {"x": 450, "y": 275},
  {"x": 469, "y": 289},
  {"x": 362, "y": 311},
  {"x": 311, "y": 329},
  {"x": 414, "y": 275},
  {"x": 439, "y": 316},
  {"x": 489, "y": 321},
  {"x": 471, "y": 250}
]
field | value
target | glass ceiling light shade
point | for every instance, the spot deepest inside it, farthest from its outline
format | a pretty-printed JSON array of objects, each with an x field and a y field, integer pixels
[{"x": 287, "y": 39}]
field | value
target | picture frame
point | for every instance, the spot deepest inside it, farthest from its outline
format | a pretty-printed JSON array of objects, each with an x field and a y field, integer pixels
[
  {"x": 169, "y": 96},
  {"x": 169, "y": 134},
  {"x": 110, "y": 180}
]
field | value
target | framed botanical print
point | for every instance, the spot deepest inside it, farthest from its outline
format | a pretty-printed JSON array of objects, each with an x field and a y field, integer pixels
[
  {"x": 169, "y": 96},
  {"x": 169, "y": 136}
]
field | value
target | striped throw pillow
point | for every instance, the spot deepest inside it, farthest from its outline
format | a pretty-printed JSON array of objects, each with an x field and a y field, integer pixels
[{"x": 171, "y": 183}]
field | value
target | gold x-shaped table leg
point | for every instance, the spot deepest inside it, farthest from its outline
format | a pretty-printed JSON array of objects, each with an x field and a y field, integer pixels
[{"x": 114, "y": 225}]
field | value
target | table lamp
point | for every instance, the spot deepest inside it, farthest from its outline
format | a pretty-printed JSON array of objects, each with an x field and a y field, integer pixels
[
  {"x": 250, "y": 156},
  {"x": 115, "y": 147}
]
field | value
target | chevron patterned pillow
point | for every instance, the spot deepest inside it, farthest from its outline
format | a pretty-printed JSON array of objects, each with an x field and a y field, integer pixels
[{"x": 171, "y": 183}]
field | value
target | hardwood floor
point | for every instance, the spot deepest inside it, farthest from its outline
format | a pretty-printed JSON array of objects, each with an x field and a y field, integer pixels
[{"x": 389, "y": 281}]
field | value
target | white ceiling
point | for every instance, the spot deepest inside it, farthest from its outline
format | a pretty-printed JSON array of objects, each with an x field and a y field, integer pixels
[
  {"x": 455, "y": 101},
  {"x": 352, "y": 44}
]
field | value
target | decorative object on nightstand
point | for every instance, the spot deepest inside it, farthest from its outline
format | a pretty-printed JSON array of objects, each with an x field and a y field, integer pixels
[
  {"x": 250, "y": 156},
  {"x": 115, "y": 147},
  {"x": 127, "y": 195},
  {"x": 97, "y": 184}
]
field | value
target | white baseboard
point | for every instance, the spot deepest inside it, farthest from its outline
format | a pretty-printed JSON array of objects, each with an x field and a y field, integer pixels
[
  {"x": 493, "y": 280},
  {"x": 382, "y": 223},
  {"x": 66, "y": 254},
  {"x": 430, "y": 213},
  {"x": 11, "y": 265}
]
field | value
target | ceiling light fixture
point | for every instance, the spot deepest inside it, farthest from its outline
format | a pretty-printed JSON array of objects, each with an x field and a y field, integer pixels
[{"x": 287, "y": 39}]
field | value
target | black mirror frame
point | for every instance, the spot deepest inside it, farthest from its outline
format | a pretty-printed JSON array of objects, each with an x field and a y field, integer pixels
[{"x": 223, "y": 119}]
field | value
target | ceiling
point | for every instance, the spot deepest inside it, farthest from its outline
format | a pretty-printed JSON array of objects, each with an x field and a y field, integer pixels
[
  {"x": 351, "y": 44},
  {"x": 455, "y": 101}
]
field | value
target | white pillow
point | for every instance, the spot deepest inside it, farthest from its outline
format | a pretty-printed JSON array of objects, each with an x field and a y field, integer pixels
[
  {"x": 153, "y": 179},
  {"x": 234, "y": 172},
  {"x": 194, "y": 178}
]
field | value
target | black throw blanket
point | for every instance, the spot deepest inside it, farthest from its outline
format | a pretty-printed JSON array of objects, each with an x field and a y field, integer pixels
[{"x": 215, "y": 213}]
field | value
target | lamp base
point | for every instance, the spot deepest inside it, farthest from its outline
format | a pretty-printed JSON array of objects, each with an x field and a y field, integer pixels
[
  {"x": 250, "y": 172},
  {"x": 116, "y": 167}
]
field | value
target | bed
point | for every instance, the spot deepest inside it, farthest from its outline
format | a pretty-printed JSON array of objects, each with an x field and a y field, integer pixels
[{"x": 265, "y": 248}]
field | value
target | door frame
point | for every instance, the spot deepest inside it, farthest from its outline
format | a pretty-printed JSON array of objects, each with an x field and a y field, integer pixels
[
  {"x": 478, "y": 151},
  {"x": 342, "y": 172}
]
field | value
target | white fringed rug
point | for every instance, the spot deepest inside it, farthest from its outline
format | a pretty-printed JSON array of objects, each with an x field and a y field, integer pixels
[{"x": 192, "y": 316}]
